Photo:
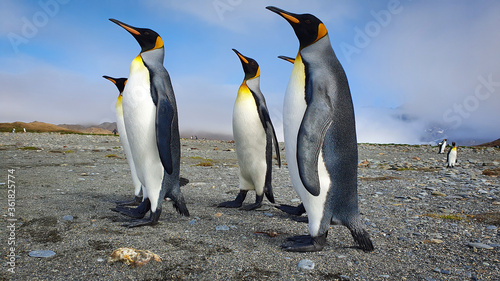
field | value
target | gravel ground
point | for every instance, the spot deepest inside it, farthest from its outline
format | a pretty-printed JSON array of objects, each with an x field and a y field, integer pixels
[{"x": 426, "y": 222}]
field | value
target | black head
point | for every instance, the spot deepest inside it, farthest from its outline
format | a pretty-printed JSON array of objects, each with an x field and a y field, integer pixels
[
  {"x": 250, "y": 66},
  {"x": 119, "y": 82},
  {"x": 307, "y": 27},
  {"x": 147, "y": 38}
]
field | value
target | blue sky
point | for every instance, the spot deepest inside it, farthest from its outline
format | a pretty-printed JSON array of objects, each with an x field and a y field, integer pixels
[{"x": 418, "y": 70}]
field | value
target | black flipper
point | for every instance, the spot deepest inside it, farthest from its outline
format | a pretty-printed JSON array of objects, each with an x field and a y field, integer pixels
[
  {"x": 293, "y": 210},
  {"x": 164, "y": 120},
  {"x": 137, "y": 213},
  {"x": 237, "y": 202},
  {"x": 310, "y": 140}
]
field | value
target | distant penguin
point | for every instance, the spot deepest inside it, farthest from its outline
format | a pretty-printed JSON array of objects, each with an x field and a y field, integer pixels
[
  {"x": 320, "y": 137},
  {"x": 151, "y": 121},
  {"x": 442, "y": 146},
  {"x": 452, "y": 156},
  {"x": 254, "y": 136},
  {"x": 120, "y": 124}
]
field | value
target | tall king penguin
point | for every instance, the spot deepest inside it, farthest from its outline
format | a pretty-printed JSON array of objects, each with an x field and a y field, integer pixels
[
  {"x": 253, "y": 136},
  {"x": 150, "y": 115},
  {"x": 120, "y": 84},
  {"x": 320, "y": 137}
]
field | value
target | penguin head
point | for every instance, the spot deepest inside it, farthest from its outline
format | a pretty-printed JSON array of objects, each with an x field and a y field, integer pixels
[
  {"x": 307, "y": 27},
  {"x": 453, "y": 144},
  {"x": 250, "y": 66},
  {"x": 119, "y": 82},
  {"x": 147, "y": 38}
]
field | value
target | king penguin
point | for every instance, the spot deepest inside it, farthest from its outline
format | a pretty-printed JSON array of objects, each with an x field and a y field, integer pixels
[
  {"x": 442, "y": 146},
  {"x": 151, "y": 121},
  {"x": 451, "y": 158},
  {"x": 254, "y": 136},
  {"x": 320, "y": 137},
  {"x": 120, "y": 84}
]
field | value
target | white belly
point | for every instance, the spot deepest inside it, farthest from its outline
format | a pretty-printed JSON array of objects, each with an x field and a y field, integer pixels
[
  {"x": 140, "y": 117},
  {"x": 126, "y": 146},
  {"x": 294, "y": 108},
  {"x": 250, "y": 141}
]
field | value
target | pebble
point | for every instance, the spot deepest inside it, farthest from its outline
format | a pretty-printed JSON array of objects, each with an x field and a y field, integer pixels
[
  {"x": 100, "y": 260},
  {"x": 41, "y": 254},
  {"x": 67, "y": 218},
  {"x": 384, "y": 276},
  {"x": 268, "y": 214},
  {"x": 222, "y": 227},
  {"x": 491, "y": 227},
  {"x": 306, "y": 264},
  {"x": 438, "y": 193},
  {"x": 479, "y": 246},
  {"x": 191, "y": 222}
]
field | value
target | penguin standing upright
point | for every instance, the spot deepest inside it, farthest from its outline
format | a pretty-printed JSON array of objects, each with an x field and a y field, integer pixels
[
  {"x": 120, "y": 125},
  {"x": 150, "y": 114},
  {"x": 442, "y": 146},
  {"x": 254, "y": 135},
  {"x": 320, "y": 137},
  {"x": 451, "y": 158}
]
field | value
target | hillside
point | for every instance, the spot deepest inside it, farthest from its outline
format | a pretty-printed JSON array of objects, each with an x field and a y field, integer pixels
[
  {"x": 495, "y": 143},
  {"x": 40, "y": 127}
]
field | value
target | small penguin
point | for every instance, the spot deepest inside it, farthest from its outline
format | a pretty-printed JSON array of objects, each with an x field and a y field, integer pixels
[
  {"x": 442, "y": 146},
  {"x": 254, "y": 136},
  {"x": 320, "y": 137},
  {"x": 151, "y": 121},
  {"x": 120, "y": 84},
  {"x": 451, "y": 158}
]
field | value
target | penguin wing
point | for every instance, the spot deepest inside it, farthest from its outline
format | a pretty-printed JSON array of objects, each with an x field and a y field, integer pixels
[
  {"x": 266, "y": 121},
  {"x": 165, "y": 114},
  {"x": 315, "y": 123}
]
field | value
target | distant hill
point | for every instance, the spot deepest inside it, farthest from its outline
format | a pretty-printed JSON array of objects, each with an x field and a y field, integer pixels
[
  {"x": 41, "y": 127},
  {"x": 495, "y": 143}
]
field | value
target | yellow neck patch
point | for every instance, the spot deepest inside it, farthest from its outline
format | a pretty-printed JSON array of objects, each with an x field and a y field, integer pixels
[
  {"x": 321, "y": 31},
  {"x": 159, "y": 43}
]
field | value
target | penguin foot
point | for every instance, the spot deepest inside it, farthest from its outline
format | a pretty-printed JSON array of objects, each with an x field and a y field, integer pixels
[
  {"x": 257, "y": 204},
  {"x": 230, "y": 204},
  {"x": 306, "y": 243},
  {"x": 180, "y": 205},
  {"x": 136, "y": 213},
  {"x": 252, "y": 206},
  {"x": 237, "y": 202},
  {"x": 153, "y": 220},
  {"x": 134, "y": 202},
  {"x": 292, "y": 210}
]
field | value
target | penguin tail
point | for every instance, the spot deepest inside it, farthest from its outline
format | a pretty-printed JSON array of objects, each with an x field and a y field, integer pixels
[
  {"x": 179, "y": 203},
  {"x": 361, "y": 236}
]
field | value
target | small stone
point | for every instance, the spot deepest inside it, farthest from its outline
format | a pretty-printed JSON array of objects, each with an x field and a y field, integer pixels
[
  {"x": 295, "y": 200},
  {"x": 438, "y": 193},
  {"x": 416, "y": 158},
  {"x": 268, "y": 214},
  {"x": 306, "y": 264},
  {"x": 437, "y": 270},
  {"x": 222, "y": 227},
  {"x": 67, "y": 218},
  {"x": 192, "y": 222},
  {"x": 479, "y": 246},
  {"x": 384, "y": 275},
  {"x": 445, "y": 271},
  {"x": 100, "y": 259},
  {"x": 491, "y": 227},
  {"x": 435, "y": 241},
  {"x": 41, "y": 254}
]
